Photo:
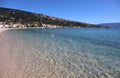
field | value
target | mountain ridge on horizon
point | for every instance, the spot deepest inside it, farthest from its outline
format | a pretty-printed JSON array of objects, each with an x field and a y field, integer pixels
[
  {"x": 111, "y": 25},
  {"x": 13, "y": 15}
]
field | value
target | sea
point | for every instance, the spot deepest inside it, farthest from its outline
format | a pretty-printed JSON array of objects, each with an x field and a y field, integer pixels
[{"x": 65, "y": 52}]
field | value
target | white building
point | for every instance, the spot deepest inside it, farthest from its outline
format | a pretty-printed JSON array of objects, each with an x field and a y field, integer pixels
[
  {"x": 15, "y": 25},
  {"x": 1, "y": 26},
  {"x": 6, "y": 26}
]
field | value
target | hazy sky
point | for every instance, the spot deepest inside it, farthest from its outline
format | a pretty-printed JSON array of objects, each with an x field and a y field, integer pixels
[{"x": 90, "y": 11}]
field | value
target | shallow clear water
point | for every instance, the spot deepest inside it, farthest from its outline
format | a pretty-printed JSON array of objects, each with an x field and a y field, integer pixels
[{"x": 67, "y": 53}]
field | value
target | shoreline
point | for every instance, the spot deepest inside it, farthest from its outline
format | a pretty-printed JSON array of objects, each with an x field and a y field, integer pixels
[{"x": 3, "y": 29}]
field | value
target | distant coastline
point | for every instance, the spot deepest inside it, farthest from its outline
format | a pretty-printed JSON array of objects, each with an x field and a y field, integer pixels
[{"x": 12, "y": 18}]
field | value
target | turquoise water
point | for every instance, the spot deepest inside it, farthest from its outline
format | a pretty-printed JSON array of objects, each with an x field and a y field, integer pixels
[{"x": 68, "y": 52}]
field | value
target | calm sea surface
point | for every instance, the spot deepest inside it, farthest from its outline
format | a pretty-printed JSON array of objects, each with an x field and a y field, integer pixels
[{"x": 67, "y": 52}]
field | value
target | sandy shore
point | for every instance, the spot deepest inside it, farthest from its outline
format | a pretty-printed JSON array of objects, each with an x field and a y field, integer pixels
[
  {"x": 7, "y": 66},
  {"x": 3, "y": 29}
]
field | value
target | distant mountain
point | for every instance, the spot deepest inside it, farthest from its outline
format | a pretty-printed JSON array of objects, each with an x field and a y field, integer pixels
[
  {"x": 112, "y": 25},
  {"x": 30, "y": 19}
]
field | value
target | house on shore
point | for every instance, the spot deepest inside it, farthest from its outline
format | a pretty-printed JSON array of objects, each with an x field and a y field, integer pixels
[
  {"x": 51, "y": 26},
  {"x": 1, "y": 24}
]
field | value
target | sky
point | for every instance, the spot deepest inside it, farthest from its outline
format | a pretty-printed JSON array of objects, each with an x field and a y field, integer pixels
[{"x": 89, "y": 11}]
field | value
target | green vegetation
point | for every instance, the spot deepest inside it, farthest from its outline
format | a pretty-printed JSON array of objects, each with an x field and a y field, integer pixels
[{"x": 29, "y": 19}]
